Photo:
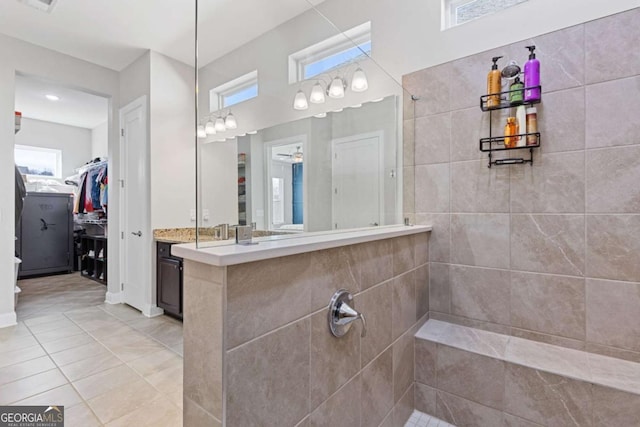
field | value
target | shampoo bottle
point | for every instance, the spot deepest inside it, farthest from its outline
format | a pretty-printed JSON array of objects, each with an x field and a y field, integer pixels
[
  {"x": 532, "y": 77},
  {"x": 521, "y": 119},
  {"x": 510, "y": 129},
  {"x": 516, "y": 94},
  {"x": 494, "y": 84},
  {"x": 532, "y": 125}
]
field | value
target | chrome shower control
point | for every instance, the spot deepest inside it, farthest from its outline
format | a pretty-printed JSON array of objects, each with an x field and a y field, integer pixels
[{"x": 342, "y": 315}]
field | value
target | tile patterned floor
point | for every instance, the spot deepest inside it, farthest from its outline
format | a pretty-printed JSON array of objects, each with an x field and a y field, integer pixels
[
  {"x": 107, "y": 364},
  {"x": 419, "y": 419}
]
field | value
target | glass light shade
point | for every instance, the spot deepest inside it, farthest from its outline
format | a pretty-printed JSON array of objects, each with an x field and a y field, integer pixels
[
  {"x": 230, "y": 122},
  {"x": 300, "y": 101},
  {"x": 317, "y": 94},
  {"x": 336, "y": 89},
  {"x": 321, "y": 115},
  {"x": 201, "y": 132},
  {"x": 220, "y": 127},
  {"x": 359, "y": 83},
  {"x": 210, "y": 128},
  {"x": 297, "y": 157}
]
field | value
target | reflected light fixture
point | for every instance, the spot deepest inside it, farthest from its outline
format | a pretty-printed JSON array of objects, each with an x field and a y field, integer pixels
[
  {"x": 219, "y": 125},
  {"x": 317, "y": 94},
  {"x": 377, "y": 100},
  {"x": 253, "y": 132},
  {"x": 210, "y": 128},
  {"x": 320, "y": 116},
  {"x": 300, "y": 101},
  {"x": 52, "y": 97},
  {"x": 230, "y": 121},
  {"x": 201, "y": 132},
  {"x": 356, "y": 106},
  {"x": 359, "y": 83},
  {"x": 336, "y": 89},
  {"x": 339, "y": 110},
  {"x": 297, "y": 156}
]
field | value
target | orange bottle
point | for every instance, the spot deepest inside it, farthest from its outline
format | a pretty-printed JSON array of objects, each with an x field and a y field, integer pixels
[
  {"x": 494, "y": 84},
  {"x": 511, "y": 129}
]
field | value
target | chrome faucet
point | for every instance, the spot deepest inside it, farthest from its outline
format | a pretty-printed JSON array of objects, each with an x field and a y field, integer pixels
[
  {"x": 221, "y": 232},
  {"x": 342, "y": 315}
]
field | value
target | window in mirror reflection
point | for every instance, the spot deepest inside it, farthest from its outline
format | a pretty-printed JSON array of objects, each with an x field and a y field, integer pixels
[
  {"x": 234, "y": 92},
  {"x": 331, "y": 53}
]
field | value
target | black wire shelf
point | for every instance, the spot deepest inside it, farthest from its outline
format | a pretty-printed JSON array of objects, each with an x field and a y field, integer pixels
[
  {"x": 496, "y": 143},
  {"x": 504, "y": 99}
]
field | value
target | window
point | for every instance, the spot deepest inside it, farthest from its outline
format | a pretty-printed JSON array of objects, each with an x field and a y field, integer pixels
[
  {"x": 39, "y": 161},
  {"x": 331, "y": 53},
  {"x": 234, "y": 92},
  {"x": 456, "y": 12}
]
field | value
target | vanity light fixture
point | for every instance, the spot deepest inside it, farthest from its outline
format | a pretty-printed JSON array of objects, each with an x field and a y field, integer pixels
[
  {"x": 300, "y": 101},
  {"x": 219, "y": 124},
  {"x": 339, "y": 110},
  {"x": 52, "y": 97},
  {"x": 230, "y": 121},
  {"x": 337, "y": 87},
  {"x": 359, "y": 82},
  {"x": 356, "y": 106},
  {"x": 317, "y": 94},
  {"x": 253, "y": 132},
  {"x": 210, "y": 128},
  {"x": 320, "y": 116},
  {"x": 377, "y": 100},
  {"x": 202, "y": 133}
]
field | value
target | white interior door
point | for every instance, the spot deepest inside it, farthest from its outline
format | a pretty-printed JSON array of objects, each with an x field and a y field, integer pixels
[
  {"x": 134, "y": 205},
  {"x": 357, "y": 182}
]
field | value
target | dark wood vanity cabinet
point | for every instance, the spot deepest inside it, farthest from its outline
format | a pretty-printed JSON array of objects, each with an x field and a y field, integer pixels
[{"x": 169, "y": 281}]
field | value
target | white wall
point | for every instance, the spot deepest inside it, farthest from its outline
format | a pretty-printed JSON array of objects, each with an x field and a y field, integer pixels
[
  {"x": 28, "y": 59},
  {"x": 172, "y": 143},
  {"x": 219, "y": 175},
  {"x": 100, "y": 140},
  {"x": 74, "y": 142}
]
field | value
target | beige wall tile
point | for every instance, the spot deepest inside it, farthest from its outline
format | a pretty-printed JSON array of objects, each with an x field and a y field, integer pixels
[
  {"x": 377, "y": 389},
  {"x": 609, "y": 45},
  {"x": 422, "y": 291},
  {"x": 615, "y": 408},
  {"x": 432, "y": 188},
  {"x": 195, "y": 416},
  {"x": 404, "y": 408},
  {"x": 376, "y": 305},
  {"x": 421, "y": 248},
  {"x": 468, "y": 126},
  {"x": 613, "y": 309},
  {"x": 341, "y": 408},
  {"x": 432, "y": 139},
  {"x": 475, "y": 188},
  {"x": 408, "y": 190},
  {"x": 613, "y": 244},
  {"x": 408, "y": 141},
  {"x": 403, "y": 255},
  {"x": 548, "y": 244},
  {"x": 210, "y": 273},
  {"x": 612, "y": 180},
  {"x": 550, "y": 304},
  {"x": 268, "y": 379},
  {"x": 480, "y": 240},
  {"x": 203, "y": 308},
  {"x": 546, "y": 398},
  {"x": 376, "y": 262},
  {"x": 548, "y": 339},
  {"x": 632, "y": 356},
  {"x": 431, "y": 85},
  {"x": 561, "y": 117},
  {"x": 554, "y": 184},
  {"x": 403, "y": 303},
  {"x": 285, "y": 282},
  {"x": 439, "y": 237},
  {"x": 333, "y": 360},
  {"x": 469, "y": 375},
  {"x": 607, "y": 127},
  {"x": 403, "y": 365},
  {"x": 509, "y": 420},
  {"x": 439, "y": 287},
  {"x": 426, "y": 354},
  {"x": 465, "y": 413},
  {"x": 333, "y": 269},
  {"x": 425, "y": 398},
  {"x": 480, "y": 293}
]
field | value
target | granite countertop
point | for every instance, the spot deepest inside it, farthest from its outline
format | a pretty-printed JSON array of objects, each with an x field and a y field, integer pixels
[{"x": 188, "y": 235}]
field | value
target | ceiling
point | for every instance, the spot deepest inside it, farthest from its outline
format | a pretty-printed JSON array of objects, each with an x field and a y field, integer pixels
[
  {"x": 74, "y": 108},
  {"x": 114, "y": 33}
]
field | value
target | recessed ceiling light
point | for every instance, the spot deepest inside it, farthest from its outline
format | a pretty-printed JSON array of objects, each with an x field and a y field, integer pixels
[{"x": 52, "y": 97}]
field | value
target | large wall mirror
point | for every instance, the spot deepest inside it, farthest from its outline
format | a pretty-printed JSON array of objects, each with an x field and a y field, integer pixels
[{"x": 299, "y": 128}]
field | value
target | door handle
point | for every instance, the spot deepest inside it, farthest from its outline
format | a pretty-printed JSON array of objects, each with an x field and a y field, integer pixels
[
  {"x": 373, "y": 224},
  {"x": 139, "y": 233}
]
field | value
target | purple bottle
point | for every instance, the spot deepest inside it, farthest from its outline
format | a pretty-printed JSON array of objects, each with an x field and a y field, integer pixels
[{"x": 531, "y": 77}]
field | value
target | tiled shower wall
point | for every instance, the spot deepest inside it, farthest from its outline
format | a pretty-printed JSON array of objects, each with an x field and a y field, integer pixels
[{"x": 549, "y": 252}]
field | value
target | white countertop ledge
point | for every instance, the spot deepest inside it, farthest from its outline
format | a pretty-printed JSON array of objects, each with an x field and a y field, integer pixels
[{"x": 266, "y": 248}]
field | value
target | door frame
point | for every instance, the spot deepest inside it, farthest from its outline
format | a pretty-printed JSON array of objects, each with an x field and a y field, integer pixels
[
  {"x": 381, "y": 172},
  {"x": 148, "y": 307},
  {"x": 268, "y": 145}
]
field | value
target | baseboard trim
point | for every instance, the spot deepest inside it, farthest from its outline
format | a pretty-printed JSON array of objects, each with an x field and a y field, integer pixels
[
  {"x": 8, "y": 319},
  {"x": 152, "y": 310},
  {"x": 114, "y": 298}
]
